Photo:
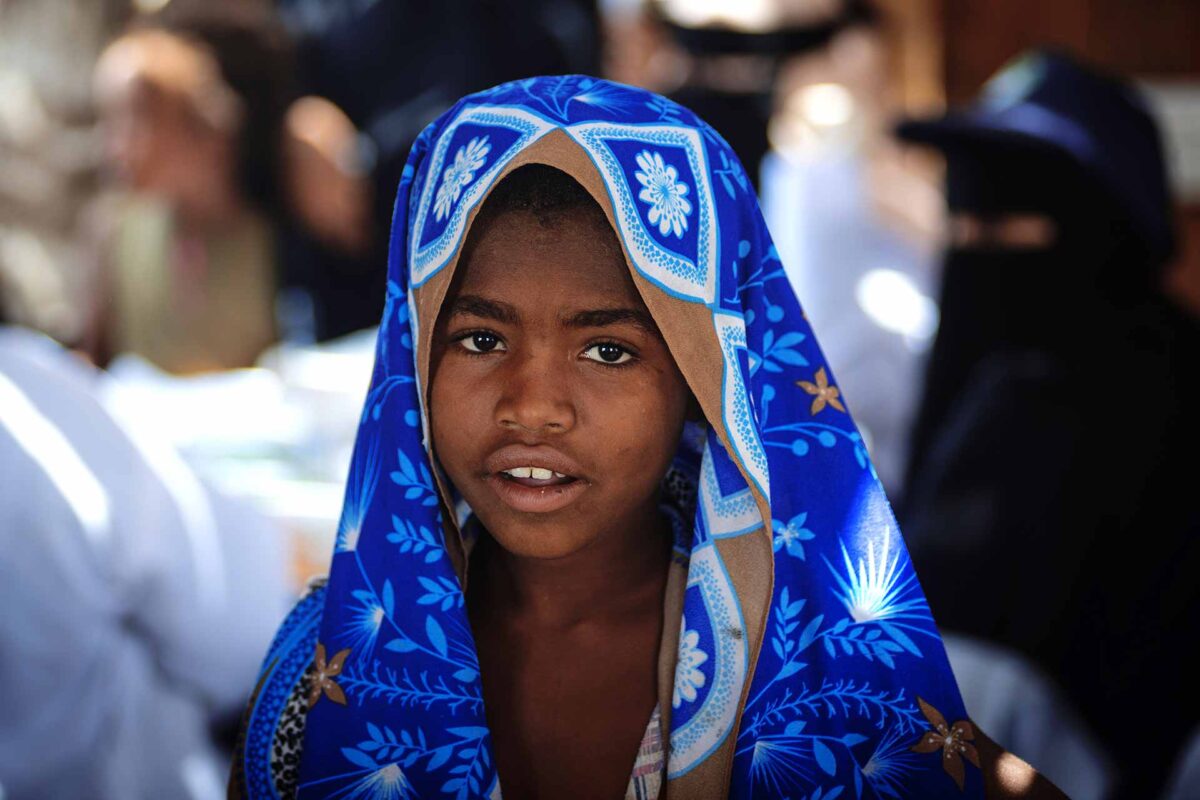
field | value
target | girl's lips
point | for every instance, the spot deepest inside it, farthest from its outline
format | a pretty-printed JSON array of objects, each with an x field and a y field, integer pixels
[
  {"x": 537, "y": 483},
  {"x": 533, "y": 496}
]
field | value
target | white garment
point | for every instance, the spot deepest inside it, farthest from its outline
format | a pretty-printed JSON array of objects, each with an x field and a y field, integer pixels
[
  {"x": 1185, "y": 778},
  {"x": 864, "y": 290},
  {"x": 1026, "y": 714},
  {"x": 136, "y": 603}
]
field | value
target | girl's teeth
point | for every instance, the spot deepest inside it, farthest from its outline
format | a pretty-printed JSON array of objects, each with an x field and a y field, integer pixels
[{"x": 537, "y": 473}]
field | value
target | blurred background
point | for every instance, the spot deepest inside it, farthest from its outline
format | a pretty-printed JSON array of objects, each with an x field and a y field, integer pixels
[{"x": 990, "y": 211}]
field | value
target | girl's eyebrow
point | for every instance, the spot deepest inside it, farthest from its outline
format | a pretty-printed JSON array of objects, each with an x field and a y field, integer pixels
[
  {"x": 487, "y": 309},
  {"x": 499, "y": 311},
  {"x": 604, "y": 317}
]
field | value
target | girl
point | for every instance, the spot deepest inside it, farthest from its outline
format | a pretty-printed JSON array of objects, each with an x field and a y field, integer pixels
[{"x": 608, "y": 510}]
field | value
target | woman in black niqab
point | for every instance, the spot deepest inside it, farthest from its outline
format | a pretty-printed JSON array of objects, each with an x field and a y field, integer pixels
[{"x": 1053, "y": 459}]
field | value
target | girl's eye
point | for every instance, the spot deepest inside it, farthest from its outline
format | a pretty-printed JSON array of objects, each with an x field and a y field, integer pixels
[
  {"x": 482, "y": 342},
  {"x": 608, "y": 353}
]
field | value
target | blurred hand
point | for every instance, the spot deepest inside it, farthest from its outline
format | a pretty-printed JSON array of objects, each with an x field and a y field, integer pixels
[{"x": 324, "y": 179}]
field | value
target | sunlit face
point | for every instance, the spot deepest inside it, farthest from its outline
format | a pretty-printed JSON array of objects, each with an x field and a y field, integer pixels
[
  {"x": 157, "y": 146},
  {"x": 146, "y": 134},
  {"x": 555, "y": 404}
]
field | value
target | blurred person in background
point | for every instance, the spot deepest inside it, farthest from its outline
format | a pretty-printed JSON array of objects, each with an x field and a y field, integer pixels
[
  {"x": 327, "y": 241},
  {"x": 1051, "y": 479},
  {"x": 136, "y": 600},
  {"x": 719, "y": 59},
  {"x": 49, "y": 154},
  {"x": 191, "y": 101}
]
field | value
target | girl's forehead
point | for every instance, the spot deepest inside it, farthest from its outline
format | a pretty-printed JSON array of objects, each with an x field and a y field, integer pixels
[{"x": 520, "y": 249}]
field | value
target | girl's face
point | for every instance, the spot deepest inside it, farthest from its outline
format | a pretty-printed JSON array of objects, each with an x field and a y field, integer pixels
[{"x": 555, "y": 404}]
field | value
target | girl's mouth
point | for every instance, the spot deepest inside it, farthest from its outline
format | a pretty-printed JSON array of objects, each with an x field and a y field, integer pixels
[
  {"x": 518, "y": 489},
  {"x": 534, "y": 479}
]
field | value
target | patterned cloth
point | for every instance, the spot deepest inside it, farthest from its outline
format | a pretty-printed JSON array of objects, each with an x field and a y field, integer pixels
[
  {"x": 288, "y": 715},
  {"x": 646, "y": 781},
  {"x": 805, "y": 661}
]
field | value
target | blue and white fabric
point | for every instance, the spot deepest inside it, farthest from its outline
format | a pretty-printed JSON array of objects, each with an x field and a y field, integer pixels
[{"x": 823, "y": 693}]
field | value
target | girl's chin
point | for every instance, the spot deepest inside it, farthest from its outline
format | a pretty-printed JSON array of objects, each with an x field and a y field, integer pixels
[{"x": 545, "y": 545}]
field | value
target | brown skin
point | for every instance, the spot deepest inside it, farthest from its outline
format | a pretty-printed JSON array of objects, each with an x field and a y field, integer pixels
[
  {"x": 1006, "y": 777},
  {"x": 566, "y": 605}
]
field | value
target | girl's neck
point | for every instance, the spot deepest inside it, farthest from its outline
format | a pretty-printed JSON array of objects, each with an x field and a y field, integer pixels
[{"x": 620, "y": 574}]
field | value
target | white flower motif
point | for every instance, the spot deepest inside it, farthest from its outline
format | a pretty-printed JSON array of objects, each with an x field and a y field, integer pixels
[
  {"x": 366, "y": 619},
  {"x": 664, "y": 193},
  {"x": 348, "y": 533},
  {"x": 688, "y": 677},
  {"x": 388, "y": 782},
  {"x": 363, "y": 475},
  {"x": 467, "y": 161},
  {"x": 879, "y": 588}
]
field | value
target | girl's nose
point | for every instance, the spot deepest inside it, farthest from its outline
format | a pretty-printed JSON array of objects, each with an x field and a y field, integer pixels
[{"x": 536, "y": 396}]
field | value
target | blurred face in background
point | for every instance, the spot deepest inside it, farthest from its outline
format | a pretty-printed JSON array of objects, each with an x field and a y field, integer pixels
[{"x": 170, "y": 122}]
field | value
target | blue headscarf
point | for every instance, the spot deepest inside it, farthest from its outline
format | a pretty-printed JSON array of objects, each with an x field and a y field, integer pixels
[{"x": 807, "y": 664}]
